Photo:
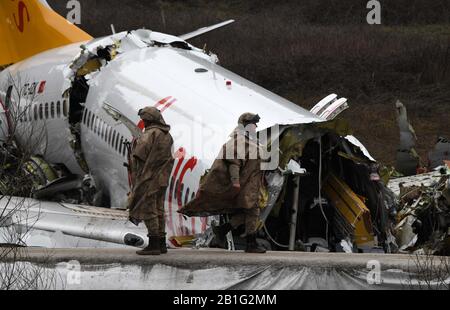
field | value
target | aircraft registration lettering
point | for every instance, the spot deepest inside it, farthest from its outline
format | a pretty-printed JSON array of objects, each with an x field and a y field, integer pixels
[
  {"x": 42, "y": 87},
  {"x": 30, "y": 89},
  {"x": 21, "y": 10}
]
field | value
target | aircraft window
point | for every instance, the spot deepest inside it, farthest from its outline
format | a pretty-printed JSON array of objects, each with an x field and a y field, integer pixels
[
  {"x": 25, "y": 115},
  {"x": 84, "y": 116},
  {"x": 102, "y": 130},
  {"x": 88, "y": 118},
  {"x": 52, "y": 110},
  {"x": 35, "y": 113},
  {"x": 95, "y": 124},
  {"x": 65, "y": 108},
  {"x": 121, "y": 145},
  {"x": 99, "y": 127},
  {"x": 113, "y": 139},
  {"x": 124, "y": 153},
  {"x": 46, "y": 110},
  {"x": 30, "y": 113},
  {"x": 58, "y": 109},
  {"x": 117, "y": 142},
  {"x": 41, "y": 111},
  {"x": 88, "y": 121},
  {"x": 91, "y": 123},
  {"x": 109, "y": 135}
]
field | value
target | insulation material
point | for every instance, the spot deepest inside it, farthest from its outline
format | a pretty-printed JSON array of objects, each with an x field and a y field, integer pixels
[{"x": 352, "y": 209}]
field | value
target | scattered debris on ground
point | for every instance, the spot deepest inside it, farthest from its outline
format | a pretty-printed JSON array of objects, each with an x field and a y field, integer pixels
[{"x": 424, "y": 212}]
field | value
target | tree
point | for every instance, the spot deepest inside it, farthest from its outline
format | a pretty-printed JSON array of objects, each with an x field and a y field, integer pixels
[{"x": 18, "y": 178}]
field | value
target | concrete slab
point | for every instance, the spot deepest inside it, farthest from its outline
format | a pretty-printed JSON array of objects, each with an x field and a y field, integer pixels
[
  {"x": 202, "y": 269},
  {"x": 191, "y": 258}
]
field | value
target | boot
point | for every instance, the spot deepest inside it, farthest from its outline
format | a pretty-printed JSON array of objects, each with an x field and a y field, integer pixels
[
  {"x": 252, "y": 245},
  {"x": 222, "y": 231},
  {"x": 162, "y": 244},
  {"x": 153, "y": 247}
]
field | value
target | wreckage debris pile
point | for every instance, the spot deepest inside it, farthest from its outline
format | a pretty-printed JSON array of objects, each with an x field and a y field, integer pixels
[{"x": 424, "y": 215}]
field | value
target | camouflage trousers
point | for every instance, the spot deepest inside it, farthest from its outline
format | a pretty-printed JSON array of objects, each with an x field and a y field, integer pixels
[
  {"x": 249, "y": 217},
  {"x": 156, "y": 224}
]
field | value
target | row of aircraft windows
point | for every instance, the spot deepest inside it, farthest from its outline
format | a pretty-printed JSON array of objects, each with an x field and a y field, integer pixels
[
  {"x": 113, "y": 138},
  {"x": 45, "y": 111},
  {"x": 54, "y": 110}
]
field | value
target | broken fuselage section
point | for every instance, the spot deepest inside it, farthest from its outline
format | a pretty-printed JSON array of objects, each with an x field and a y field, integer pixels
[
  {"x": 326, "y": 195},
  {"x": 86, "y": 100}
]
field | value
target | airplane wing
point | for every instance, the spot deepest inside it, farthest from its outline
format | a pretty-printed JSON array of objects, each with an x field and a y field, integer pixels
[
  {"x": 204, "y": 30},
  {"x": 66, "y": 224}
]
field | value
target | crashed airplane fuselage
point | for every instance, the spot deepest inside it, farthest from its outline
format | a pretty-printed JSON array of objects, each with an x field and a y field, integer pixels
[
  {"x": 199, "y": 99},
  {"x": 83, "y": 100}
]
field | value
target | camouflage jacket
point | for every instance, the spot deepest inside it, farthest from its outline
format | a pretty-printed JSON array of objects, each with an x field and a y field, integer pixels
[
  {"x": 151, "y": 164},
  {"x": 242, "y": 164}
]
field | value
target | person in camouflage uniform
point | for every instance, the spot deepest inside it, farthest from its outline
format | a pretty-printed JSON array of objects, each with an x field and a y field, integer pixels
[
  {"x": 151, "y": 164},
  {"x": 233, "y": 183}
]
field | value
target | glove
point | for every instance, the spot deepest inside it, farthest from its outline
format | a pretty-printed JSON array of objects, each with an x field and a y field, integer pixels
[{"x": 236, "y": 188}]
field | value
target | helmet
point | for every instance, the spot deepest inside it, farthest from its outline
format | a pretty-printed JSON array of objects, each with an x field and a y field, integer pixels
[
  {"x": 150, "y": 114},
  {"x": 249, "y": 118}
]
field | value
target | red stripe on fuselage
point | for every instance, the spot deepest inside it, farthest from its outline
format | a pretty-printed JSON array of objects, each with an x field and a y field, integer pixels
[
  {"x": 168, "y": 105},
  {"x": 162, "y": 102},
  {"x": 190, "y": 165},
  {"x": 180, "y": 155}
]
